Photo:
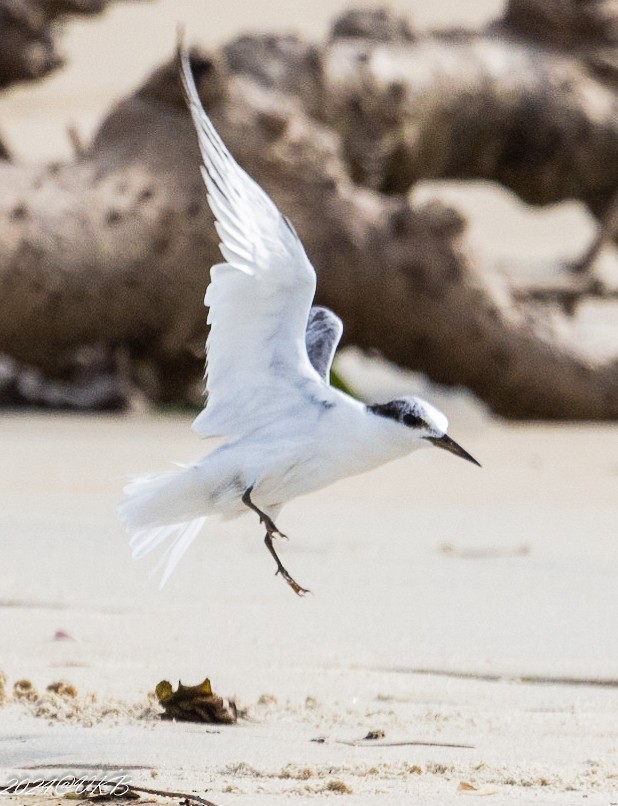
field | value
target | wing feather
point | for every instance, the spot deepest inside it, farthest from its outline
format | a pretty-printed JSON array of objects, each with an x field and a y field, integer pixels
[
  {"x": 324, "y": 331},
  {"x": 258, "y": 300}
]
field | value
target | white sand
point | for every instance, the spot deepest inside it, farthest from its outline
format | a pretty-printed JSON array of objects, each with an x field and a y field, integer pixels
[{"x": 388, "y": 604}]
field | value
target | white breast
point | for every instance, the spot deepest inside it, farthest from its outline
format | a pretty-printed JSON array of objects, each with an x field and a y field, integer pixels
[{"x": 325, "y": 446}]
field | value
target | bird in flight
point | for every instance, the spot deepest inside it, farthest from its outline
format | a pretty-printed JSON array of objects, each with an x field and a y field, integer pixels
[{"x": 286, "y": 431}]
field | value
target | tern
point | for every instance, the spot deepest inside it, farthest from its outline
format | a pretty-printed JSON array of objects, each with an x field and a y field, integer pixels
[{"x": 286, "y": 431}]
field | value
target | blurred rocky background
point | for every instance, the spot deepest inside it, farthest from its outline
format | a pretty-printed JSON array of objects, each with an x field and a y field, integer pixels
[{"x": 373, "y": 140}]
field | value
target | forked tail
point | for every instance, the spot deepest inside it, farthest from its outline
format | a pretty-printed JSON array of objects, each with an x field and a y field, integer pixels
[{"x": 162, "y": 509}]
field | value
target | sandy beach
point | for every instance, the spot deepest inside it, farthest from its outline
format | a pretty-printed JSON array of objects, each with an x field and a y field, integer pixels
[
  {"x": 450, "y": 605},
  {"x": 467, "y": 615}
]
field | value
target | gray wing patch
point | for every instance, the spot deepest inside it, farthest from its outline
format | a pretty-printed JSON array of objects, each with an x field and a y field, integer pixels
[{"x": 323, "y": 333}]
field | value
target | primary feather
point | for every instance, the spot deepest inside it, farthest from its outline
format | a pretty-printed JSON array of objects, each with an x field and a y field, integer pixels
[
  {"x": 259, "y": 300},
  {"x": 324, "y": 331}
]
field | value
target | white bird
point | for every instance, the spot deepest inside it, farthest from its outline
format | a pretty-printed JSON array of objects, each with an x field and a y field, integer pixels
[{"x": 287, "y": 432}]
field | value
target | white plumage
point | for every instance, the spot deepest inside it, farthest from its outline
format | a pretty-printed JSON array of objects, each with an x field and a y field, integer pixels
[{"x": 287, "y": 431}]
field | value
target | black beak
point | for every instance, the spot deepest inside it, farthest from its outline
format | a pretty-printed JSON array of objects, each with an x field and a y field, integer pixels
[{"x": 451, "y": 446}]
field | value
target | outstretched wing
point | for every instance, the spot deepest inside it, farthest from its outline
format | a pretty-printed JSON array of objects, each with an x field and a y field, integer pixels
[
  {"x": 323, "y": 334},
  {"x": 258, "y": 300}
]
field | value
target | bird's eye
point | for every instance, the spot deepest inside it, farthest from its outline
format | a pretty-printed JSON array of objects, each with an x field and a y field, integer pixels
[{"x": 413, "y": 420}]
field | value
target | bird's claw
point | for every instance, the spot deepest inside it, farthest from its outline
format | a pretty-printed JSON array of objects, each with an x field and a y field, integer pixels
[
  {"x": 271, "y": 528},
  {"x": 298, "y": 589},
  {"x": 274, "y": 532}
]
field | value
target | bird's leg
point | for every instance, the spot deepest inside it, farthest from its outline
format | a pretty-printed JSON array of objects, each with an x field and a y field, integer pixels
[
  {"x": 281, "y": 570},
  {"x": 272, "y": 531},
  {"x": 268, "y": 522}
]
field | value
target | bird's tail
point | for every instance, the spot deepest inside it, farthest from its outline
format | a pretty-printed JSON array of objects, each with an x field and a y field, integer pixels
[{"x": 162, "y": 509}]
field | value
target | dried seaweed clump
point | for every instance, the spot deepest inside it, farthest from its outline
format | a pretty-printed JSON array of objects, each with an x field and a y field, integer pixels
[{"x": 195, "y": 703}]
